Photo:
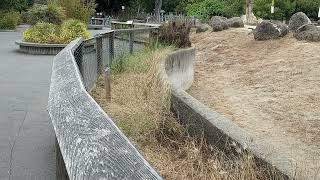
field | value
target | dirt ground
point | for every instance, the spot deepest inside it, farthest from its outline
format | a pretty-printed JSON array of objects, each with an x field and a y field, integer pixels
[
  {"x": 269, "y": 88},
  {"x": 141, "y": 109}
]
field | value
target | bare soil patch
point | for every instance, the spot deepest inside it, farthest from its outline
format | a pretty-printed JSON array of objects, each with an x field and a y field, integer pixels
[{"x": 269, "y": 88}]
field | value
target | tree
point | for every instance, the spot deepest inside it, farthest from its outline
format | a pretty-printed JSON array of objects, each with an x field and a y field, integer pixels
[
  {"x": 170, "y": 5},
  {"x": 18, "y": 5},
  {"x": 158, "y": 5},
  {"x": 249, "y": 12}
]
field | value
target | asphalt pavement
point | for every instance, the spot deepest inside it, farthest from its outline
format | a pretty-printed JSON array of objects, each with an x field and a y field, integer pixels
[{"x": 26, "y": 134}]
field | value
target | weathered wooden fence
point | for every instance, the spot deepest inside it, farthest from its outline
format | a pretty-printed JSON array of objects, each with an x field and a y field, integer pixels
[{"x": 89, "y": 145}]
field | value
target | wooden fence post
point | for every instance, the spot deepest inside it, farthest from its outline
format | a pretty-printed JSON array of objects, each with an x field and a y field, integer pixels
[
  {"x": 107, "y": 82},
  {"x": 111, "y": 47},
  {"x": 131, "y": 41}
]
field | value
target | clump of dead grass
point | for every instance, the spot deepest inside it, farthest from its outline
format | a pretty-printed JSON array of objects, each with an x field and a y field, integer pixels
[{"x": 141, "y": 108}]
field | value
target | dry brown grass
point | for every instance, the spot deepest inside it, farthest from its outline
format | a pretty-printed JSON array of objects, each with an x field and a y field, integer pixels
[
  {"x": 141, "y": 108},
  {"x": 269, "y": 88}
]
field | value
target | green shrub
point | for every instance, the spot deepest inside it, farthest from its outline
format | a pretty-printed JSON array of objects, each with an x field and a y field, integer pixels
[
  {"x": 15, "y": 5},
  {"x": 39, "y": 1},
  {"x": 72, "y": 29},
  {"x": 42, "y": 33},
  {"x": 56, "y": 34},
  {"x": 205, "y": 9},
  {"x": 235, "y": 8},
  {"x": 310, "y": 7},
  {"x": 9, "y": 20},
  {"x": 78, "y": 9},
  {"x": 284, "y": 9},
  {"x": 51, "y": 13},
  {"x": 55, "y": 14},
  {"x": 176, "y": 34}
]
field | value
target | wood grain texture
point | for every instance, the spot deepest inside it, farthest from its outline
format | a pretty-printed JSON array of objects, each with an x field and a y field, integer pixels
[{"x": 90, "y": 143}]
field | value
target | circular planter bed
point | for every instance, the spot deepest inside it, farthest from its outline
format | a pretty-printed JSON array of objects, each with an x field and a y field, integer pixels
[
  {"x": 40, "y": 49},
  {"x": 7, "y": 30}
]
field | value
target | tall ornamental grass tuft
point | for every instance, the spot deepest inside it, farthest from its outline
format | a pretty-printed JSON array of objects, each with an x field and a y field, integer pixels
[{"x": 176, "y": 34}]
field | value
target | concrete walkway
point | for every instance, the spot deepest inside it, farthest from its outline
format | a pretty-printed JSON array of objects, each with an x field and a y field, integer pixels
[{"x": 26, "y": 134}]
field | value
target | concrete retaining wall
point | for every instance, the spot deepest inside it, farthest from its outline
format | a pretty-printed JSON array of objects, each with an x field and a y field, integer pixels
[
  {"x": 90, "y": 146},
  {"x": 177, "y": 71}
]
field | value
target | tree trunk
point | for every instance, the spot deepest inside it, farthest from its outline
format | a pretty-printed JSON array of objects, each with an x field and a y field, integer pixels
[
  {"x": 249, "y": 12},
  {"x": 158, "y": 5}
]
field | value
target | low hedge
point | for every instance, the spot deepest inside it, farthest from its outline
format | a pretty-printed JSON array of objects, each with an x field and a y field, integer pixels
[{"x": 48, "y": 33}]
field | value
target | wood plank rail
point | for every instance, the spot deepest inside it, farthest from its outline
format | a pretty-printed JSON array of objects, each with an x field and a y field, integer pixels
[{"x": 90, "y": 145}]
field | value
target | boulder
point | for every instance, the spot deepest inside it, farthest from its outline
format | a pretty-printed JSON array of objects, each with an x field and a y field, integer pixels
[
  {"x": 284, "y": 30},
  {"x": 297, "y": 20},
  {"x": 235, "y": 22},
  {"x": 202, "y": 28},
  {"x": 218, "y": 23},
  {"x": 270, "y": 30},
  {"x": 308, "y": 32}
]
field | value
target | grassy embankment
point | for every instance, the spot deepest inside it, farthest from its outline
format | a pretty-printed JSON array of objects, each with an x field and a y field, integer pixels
[{"x": 140, "y": 107}]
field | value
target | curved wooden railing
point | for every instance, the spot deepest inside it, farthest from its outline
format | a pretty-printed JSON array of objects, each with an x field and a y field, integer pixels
[{"x": 90, "y": 145}]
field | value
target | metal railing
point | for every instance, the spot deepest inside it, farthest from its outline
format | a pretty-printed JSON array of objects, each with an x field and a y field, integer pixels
[
  {"x": 97, "y": 53},
  {"x": 96, "y": 22},
  {"x": 172, "y": 18},
  {"x": 131, "y": 24}
]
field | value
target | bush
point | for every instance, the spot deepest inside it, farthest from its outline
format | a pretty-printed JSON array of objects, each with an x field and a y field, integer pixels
[
  {"x": 78, "y": 9},
  {"x": 9, "y": 20},
  {"x": 206, "y": 9},
  {"x": 73, "y": 29},
  {"x": 56, "y": 34},
  {"x": 286, "y": 8},
  {"x": 51, "y": 13},
  {"x": 15, "y": 5},
  {"x": 175, "y": 33},
  {"x": 42, "y": 33},
  {"x": 309, "y": 7},
  {"x": 39, "y": 1},
  {"x": 282, "y": 11}
]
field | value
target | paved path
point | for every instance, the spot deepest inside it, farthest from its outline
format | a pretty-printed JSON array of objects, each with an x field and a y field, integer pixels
[{"x": 26, "y": 134}]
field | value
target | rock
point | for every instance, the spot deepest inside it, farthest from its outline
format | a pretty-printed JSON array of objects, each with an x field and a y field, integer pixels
[
  {"x": 235, "y": 22},
  {"x": 284, "y": 30},
  {"x": 308, "y": 32},
  {"x": 270, "y": 30},
  {"x": 202, "y": 28},
  {"x": 219, "y": 17},
  {"x": 218, "y": 23},
  {"x": 297, "y": 20}
]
